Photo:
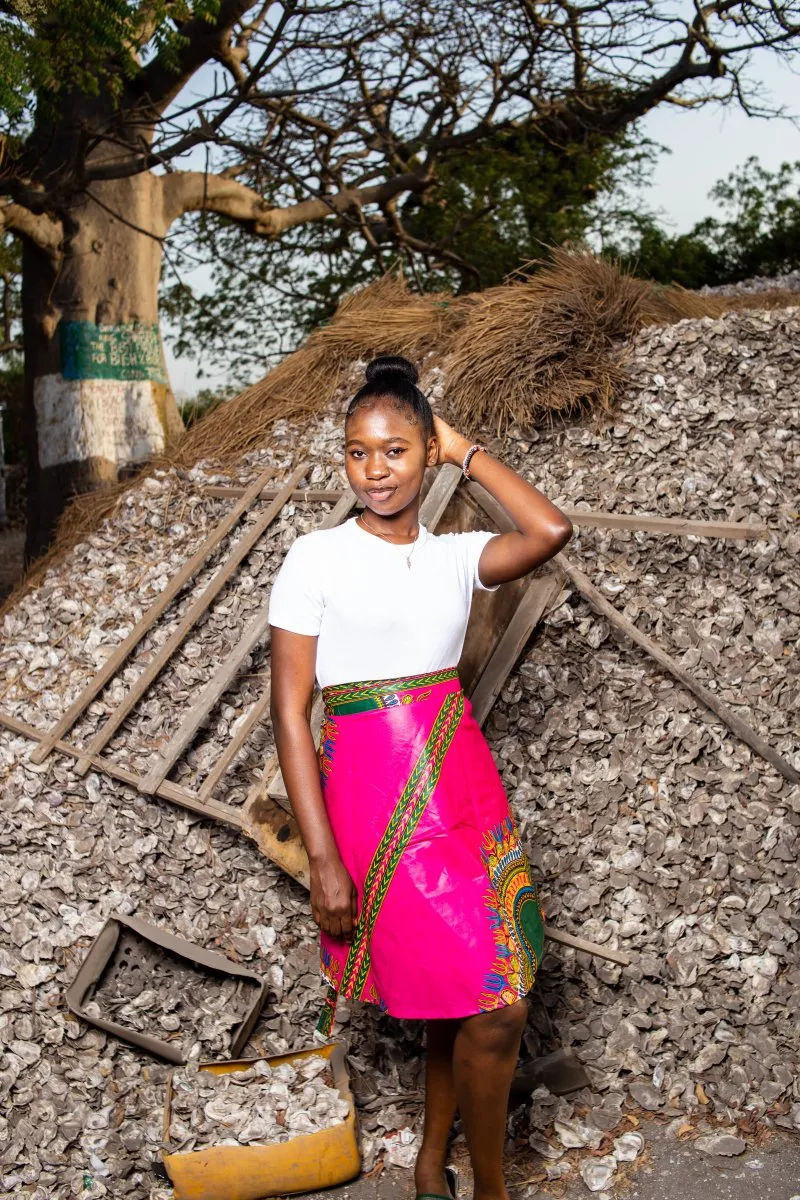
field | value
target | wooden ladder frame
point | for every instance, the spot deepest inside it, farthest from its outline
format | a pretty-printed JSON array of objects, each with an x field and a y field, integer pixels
[{"x": 264, "y": 815}]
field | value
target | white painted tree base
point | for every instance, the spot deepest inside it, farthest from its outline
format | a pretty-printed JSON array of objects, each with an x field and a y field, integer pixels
[{"x": 96, "y": 418}]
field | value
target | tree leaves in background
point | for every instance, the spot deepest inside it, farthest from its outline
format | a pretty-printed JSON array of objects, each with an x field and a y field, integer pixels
[
  {"x": 760, "y": 234},
  {"x": 494, "y": 208}
]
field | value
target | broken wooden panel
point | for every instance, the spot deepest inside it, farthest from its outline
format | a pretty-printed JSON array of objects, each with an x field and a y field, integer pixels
[
  {"x": 255, "y": 633},
  {"x": 115, "y": 661},
  {"x": 199, "y": 606},
  {"x": 540, "y": 594}
]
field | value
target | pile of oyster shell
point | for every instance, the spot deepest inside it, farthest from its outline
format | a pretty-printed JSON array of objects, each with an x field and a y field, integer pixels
[
  {"x": 650, "y": 825},
  {"x": 255, "y": 1107}
]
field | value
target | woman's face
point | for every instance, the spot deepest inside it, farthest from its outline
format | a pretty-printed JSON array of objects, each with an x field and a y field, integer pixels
[{"x": 385, "y": 456}]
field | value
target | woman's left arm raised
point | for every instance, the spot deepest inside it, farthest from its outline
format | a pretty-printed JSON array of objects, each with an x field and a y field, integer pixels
[{"x": 542, "y": 529}]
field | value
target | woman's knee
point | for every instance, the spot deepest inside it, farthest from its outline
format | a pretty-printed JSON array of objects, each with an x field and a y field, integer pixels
[{"x": 499, "y": 1030}]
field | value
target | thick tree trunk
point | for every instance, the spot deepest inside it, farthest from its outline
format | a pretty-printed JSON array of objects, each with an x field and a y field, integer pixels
[{"x": 98, "y": 397}]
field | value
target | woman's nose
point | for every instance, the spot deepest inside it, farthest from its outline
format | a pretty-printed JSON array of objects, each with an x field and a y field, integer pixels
[{"x": 376, "y": 467}]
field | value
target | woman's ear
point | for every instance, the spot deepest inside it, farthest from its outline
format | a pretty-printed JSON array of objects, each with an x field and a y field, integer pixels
[{"x": 433, "y": 452}]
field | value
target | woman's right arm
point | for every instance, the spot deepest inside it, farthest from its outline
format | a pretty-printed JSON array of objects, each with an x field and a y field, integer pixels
[{"x": 333, "y": 897}]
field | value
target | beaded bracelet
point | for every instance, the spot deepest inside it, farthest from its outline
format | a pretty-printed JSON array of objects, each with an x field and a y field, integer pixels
[{"x": 468, "y": 459}]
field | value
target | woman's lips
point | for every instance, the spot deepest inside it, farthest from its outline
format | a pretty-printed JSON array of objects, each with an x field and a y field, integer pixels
[{"x": 379, "y": 493}]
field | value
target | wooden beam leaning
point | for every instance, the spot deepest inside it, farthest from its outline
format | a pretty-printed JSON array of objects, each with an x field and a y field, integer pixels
[
  {"x": 159, "y": 605},
  {"x": 432, "y": 508},
  {"x": 303, "y": 495},
  {"x": 173, "y": 792},
  {"x": 254, "y": 715},
  {"x": 540, "y": 594},
  {"x": 159, "y": 660},
  {"x": 257, "y": 630},
  {"x": 675, "y": 526},
  {"x": 728, "y": 717}
]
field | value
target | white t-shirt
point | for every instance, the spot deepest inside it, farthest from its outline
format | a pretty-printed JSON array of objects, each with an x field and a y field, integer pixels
[{"x": 374, "y": 617}]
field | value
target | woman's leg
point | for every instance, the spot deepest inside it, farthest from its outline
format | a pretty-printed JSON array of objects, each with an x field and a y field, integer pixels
[
  {"x": 484, "y": 1058},
  {"x": 440, "y": 1107}
]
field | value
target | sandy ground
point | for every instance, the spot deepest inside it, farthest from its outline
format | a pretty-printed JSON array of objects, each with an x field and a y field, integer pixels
[{"x": 668, "y": 1170}]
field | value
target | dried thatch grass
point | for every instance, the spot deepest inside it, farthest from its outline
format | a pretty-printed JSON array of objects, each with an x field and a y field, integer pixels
[
  {"x": 381, "y": 318},
  {"x": 554, "y": 344},
  {"x": 517, "y": 354},
  {"x": 548, "y": 345}
]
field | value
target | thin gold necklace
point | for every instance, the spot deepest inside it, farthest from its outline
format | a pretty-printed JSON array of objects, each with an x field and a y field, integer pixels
[{"x": 388, "y": 535}]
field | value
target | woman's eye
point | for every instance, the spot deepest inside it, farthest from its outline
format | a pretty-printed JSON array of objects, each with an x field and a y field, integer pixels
[{"x": 397, "y": 450}]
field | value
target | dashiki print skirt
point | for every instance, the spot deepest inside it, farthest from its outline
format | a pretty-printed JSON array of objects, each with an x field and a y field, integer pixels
[{"x": 449, "y": 922}]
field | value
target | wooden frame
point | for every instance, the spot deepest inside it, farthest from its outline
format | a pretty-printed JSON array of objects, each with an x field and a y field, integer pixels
[
  {"x": 115, "y": 661},
  {"x": 635, "y": 522},
  {"x": 263, "y": 816},
  {"x": 199, "y": 606}
]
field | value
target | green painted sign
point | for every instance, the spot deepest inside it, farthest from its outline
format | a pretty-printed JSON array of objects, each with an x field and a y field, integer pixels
[{"x": 91, "y": 351}]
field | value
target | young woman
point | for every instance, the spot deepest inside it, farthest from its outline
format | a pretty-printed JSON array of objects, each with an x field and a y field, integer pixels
[{"x": 419, "y": 885}]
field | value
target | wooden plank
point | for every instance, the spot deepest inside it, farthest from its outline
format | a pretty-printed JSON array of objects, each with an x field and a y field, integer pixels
[
  {"x": 447, "y": 480},
  {"x": 254, "y": 715},
  {"x": 541, "y": 592},
  {"x": 255, "y": 632},
  {"x": 164, "y": 599},
  {"x": 578, "y": 943},
  {"x": 621, "y": 623},
  {"x": 303, "y": 495},
  {"x": 675, "y": 526},
  {"x": 239, "y": 551},
  {"x": 493, "y": 508},
  {"x": 173, "y": 792}
]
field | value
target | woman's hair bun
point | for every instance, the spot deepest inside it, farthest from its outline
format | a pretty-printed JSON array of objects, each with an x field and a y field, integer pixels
[{"x": 391, "y": 364}]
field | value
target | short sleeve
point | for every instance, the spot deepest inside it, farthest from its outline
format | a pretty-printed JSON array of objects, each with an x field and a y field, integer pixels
[
  {"x": 296, "y": 601},
  {"x": 472, "y": 548}
]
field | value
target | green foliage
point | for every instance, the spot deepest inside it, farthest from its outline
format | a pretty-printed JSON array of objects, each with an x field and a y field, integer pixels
[
  {"x": 758, "y": 235},
  {"x": 89, "y": 46},
  {"x": 500, "y": 205},
  {"x": 205, "y": 401}
]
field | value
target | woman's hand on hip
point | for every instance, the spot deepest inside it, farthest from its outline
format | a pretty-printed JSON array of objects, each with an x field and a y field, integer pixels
[{"x": 333, "y": 899}]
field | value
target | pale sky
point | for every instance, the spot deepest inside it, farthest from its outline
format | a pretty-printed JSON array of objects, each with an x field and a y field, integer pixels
[{"x": 706, "y": 145}]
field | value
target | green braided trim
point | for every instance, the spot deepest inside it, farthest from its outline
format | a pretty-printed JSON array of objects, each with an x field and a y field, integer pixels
[{"x": 371, "y": 692}]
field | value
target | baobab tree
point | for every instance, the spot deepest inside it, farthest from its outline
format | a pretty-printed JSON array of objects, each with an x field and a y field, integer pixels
[{"x": 121, "y": 118}]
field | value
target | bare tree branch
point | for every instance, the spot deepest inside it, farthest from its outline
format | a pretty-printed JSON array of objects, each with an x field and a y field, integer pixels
[
  {"x": 159, "y": 84},
  {"x": 43, "y": 231},
  {"x": 193, "y": 191}
]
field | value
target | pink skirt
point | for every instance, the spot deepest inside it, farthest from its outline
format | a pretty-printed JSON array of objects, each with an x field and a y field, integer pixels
[{"x": 449, "y": 922}]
